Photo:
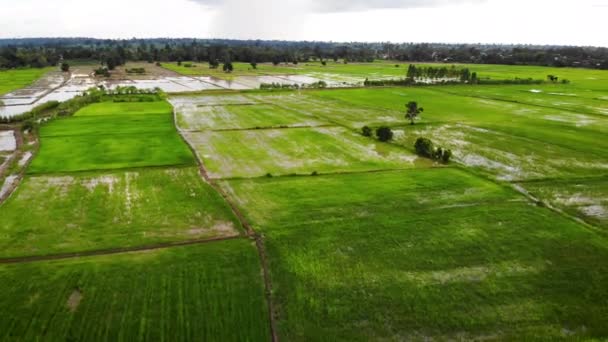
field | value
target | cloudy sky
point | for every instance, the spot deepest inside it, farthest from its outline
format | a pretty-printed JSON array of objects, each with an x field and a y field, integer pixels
[{"x": 571, "y": 22}]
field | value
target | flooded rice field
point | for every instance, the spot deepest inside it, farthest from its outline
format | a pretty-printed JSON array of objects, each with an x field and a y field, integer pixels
[{"x": 57, "y": 86}]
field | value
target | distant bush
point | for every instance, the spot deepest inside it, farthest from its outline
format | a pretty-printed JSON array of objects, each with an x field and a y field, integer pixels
[
  {"x": 65, "y": 67},
  {"x": 366, "y": 131},
  {"x": 29, "y": 125},
  {"x": 102, "y": 72},
  {"x": 136, "y": 71},
  {"x": 425, "y": 148},
  {"x": 384, "y": 133},
  {"x": 314, "y": 173},
  {"x": 189, "y": 65}
]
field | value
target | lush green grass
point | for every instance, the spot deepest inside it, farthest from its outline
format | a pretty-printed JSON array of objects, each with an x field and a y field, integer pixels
[
  {"x": 112, "y": 135},
  {"x": 200, "y": 293},
  {"x": 126, "y": 108},
  {"x": 195, "y": 115},
  {"x": 417, "y": 254},
  {"x": 255, "y": 153},
  {"x": 128, "y": 124},
  {"x": 105, "y": 152},
  {"x": 11, "y": 80},
  {"x": 98, "y": 211}
]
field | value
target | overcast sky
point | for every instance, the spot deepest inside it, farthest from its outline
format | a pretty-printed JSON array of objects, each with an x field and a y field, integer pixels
[{"x": 571, "y": 22}]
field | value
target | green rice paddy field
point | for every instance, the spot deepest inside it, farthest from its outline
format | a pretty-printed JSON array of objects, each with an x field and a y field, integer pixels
[
  {"x": 358, "y": 240},
  {"x": 11, "y": 80}
]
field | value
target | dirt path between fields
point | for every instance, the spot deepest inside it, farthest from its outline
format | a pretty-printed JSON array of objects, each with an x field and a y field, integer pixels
[
  {"x": 24, "y": 159},
  {"x": 259, "y": 239},
  {"x": 111, "y": 251}
]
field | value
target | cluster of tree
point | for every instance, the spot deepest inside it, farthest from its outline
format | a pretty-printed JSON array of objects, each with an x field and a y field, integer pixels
[
  {"x": 383, "y": 133},
  {"x": 414, "y": 71},
  {"x": 315, "y": 85},
  {"x": 39, "y": 52},
  {"x": 425, "y": 148}
]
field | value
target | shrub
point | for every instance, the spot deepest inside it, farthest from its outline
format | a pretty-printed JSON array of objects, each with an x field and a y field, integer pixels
[
  {"x": 65, "y": 67},
  {"x": 102, "y": 72},
  {"x": 314, "y": 173},
  {"x": 384, "y": 133},
  {"x": 28, "y": 125},
  {"x": 424, "y": 147},
  {"x": 366, "y": 131}
]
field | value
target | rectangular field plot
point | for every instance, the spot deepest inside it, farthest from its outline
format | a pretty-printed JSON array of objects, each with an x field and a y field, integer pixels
[
  {"x": 105, "y": 152},
  {"x": 125, "y": 108},
  {"x": 335, "y": 111},
  {"x": 128, "y": 124},
  {"x": 211, "y": 292},
  {"x": 584, "y": 198},
  {"x": 567, "y": 97},
  {"x": 203, "y": 117},
  {"x": 289, "y": 151},
  {"x": 503, "y": 156},
  {"x": 15, "y": 79},
  {"x": 55, "y": 214},
  {"x": 423, "y": 254}
]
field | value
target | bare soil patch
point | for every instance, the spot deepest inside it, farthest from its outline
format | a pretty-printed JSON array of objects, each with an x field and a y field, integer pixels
[{"x": 74, "y": 300}]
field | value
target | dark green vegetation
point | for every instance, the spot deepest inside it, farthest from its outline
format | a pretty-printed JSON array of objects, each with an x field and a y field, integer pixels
[
  {"x": 200, "y": 293},
  {"x": 38, "y": 52}
]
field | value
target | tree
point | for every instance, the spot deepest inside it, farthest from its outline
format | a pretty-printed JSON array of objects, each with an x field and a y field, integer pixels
[
  {"x": 474, "y": 78},
  {"x": 228, "y": 67},
  {"x": 424, "y": 147},
  {"x": 366, "y": 131},
  {"x": 465, "y": 75},
  {"x": 254, "y": 65},
  {"x": 214, "y": 64},
  {"x": 384, "y": 133},
  {"x": 552, "y": 78},
  {"x": 413, "y": 111},
  {"x": 65, "y": 67},
  {"x": 323, "y": 63}
]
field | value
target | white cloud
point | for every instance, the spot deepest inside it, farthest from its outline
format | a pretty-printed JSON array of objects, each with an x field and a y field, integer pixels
[{"x": 488, "y": 21}]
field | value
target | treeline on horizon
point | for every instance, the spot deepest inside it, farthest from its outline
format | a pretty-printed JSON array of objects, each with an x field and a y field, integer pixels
[{"x": 41, "y": 52}]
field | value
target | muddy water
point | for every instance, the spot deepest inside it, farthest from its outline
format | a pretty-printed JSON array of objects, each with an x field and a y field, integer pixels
[{"x": 7, "y": 141}]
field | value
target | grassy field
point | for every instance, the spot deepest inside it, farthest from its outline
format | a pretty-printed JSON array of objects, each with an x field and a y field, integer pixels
[
  {"x": 200, "y": 293},
  {"x": 79, "y": 212},
  {"x": 11, "y": 80},
  {"x": 418, "y": 254},
  {"x": 255, "y": 153},
  {"x": 111, "y": 135},
  {"x": 368, "y": 243}
]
